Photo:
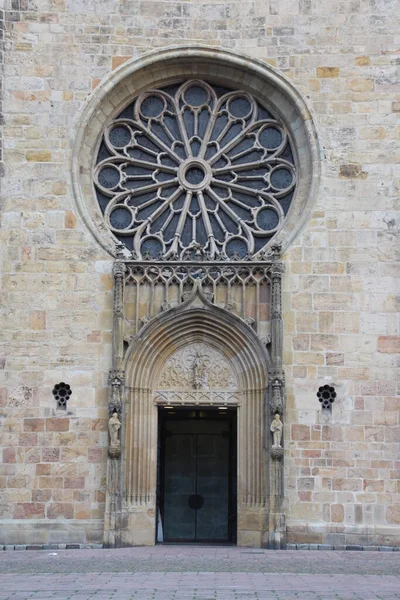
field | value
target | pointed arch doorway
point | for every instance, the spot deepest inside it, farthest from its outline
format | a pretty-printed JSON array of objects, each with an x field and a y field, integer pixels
[{"x": 238, "y": 374}]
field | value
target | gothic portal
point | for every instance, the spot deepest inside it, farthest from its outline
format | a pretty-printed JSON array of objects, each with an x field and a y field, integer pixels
[{"x": 196, "y": 370}]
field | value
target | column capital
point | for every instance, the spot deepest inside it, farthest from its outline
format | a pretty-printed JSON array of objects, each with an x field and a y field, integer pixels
[
  {"x": 116, "y": 377},
  {"x": 119, "y": 269},
  {"x": 277, "y": 269},
  {"x": 276, "y": 377}
]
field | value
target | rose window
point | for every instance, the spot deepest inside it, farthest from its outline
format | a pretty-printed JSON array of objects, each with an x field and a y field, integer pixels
[{"x": 194, "y": 166}]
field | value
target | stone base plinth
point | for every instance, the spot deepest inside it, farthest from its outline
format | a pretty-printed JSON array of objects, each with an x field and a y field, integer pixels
[
  {"x": 140, "y": 526},
  {"x": 340, "y": 537},
  {"x": 34, "y": 532},
  {"x": 252, "y": 526}
]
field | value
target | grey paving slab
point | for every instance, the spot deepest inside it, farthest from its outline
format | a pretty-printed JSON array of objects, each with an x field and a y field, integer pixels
[{"x": 198, "y": 573}]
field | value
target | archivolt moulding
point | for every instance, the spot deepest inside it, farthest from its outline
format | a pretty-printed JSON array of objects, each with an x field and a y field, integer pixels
[
  {"x": 177, "y": 64},
  {"x": 197, "y": 320}
]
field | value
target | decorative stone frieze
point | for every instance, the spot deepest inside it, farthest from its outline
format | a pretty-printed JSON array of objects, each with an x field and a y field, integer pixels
[
  {"x": 217, "y": 397},
  {"x": 155, "y": 286}
]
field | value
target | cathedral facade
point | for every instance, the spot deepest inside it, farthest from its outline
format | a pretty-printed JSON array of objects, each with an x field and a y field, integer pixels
[{"x": 200, "y": 273}]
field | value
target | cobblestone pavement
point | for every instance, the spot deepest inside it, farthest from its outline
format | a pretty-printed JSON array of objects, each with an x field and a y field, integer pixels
[{"x": 198, "y": 573}]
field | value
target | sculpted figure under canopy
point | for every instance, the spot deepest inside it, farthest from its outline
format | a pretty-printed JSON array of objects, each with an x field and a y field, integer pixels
[
  {"x": 114, "y": 425},
  {"x": 276, "y": 429}
]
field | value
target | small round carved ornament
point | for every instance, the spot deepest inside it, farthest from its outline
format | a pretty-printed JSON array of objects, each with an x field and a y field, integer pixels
[
  {"x": 277, "y": 452},
  {"x": 114, "y": 451}
]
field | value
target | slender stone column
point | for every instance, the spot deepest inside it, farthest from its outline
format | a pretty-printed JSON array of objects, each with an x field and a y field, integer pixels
[
  {"x": 116, "y": 382},
  {"x": 276, "y": 315},
  {"x": 118, "y": 313},
  {"x": 277, "y": 524}
]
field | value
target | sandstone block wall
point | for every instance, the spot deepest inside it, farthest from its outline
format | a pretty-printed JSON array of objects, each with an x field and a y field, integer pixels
[{"x": 341, "y": 286}]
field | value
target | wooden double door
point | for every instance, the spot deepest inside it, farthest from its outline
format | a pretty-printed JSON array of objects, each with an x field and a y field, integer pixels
[{"x": 197, "y": 475}]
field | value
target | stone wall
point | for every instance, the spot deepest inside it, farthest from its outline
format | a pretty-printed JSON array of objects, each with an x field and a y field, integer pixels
[{"x": 341, "y": 285}]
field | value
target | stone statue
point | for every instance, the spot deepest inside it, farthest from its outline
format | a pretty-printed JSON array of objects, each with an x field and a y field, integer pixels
[
  {"x": 199, "y": 375},
  {"x": 114, "y": 425},
  {"x": 276, "y": 428}
]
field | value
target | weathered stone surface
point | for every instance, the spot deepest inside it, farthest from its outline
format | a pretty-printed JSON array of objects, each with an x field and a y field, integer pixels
[
  {"x": 29, "y": 510},
  {"x": 393, "y": 514},
  {"x": 58, "y": 424},
  {"x": 33, "y": 424},
  {"x": 389, "y": 344},
  {"x": 352, "y": 171},
  {"x": 327, "y": 72},
  {"x": 37, "y": 319},
  {"x": 337, "y": 512},
  {"x": 60, "y": 510},
  {"x": 300, "y": 432}
]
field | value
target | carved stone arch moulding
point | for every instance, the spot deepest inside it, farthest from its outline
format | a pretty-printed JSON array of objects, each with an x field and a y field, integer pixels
[{"x": 212, "y": 194}]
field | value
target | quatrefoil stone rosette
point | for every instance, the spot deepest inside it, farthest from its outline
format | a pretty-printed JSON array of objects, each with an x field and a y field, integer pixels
[{"x": 195, "y": 166}]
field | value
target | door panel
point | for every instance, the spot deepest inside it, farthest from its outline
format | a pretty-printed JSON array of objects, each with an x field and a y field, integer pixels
[
  {"x": 213, "y": 485},
  {"x": 180, "y": 481}
]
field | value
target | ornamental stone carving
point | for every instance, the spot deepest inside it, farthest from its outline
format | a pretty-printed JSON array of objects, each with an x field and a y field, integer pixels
[
  {"x": 276, "y": 452},
  {"x": 195, "y": 367},
  {"x": 277, "y": 383},
  {"x": 116, "y": 380},
  {"x": 198, "y": 397},
  {"x": 195, "y": 169},
  {"x": 200, "y": 378}
]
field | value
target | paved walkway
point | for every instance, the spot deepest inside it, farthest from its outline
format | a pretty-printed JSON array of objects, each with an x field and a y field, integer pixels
[{"x": 198, "y": 573}]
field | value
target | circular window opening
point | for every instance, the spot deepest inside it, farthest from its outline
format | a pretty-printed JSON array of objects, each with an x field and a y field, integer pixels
[
  {"x": 243, "y": 133},
  {"x": 195, "y": 175},
  {"x": 195, "y": 164}
]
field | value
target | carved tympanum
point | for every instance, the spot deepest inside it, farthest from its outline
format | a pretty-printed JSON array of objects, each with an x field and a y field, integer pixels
[{"x": 197, "y": 366}]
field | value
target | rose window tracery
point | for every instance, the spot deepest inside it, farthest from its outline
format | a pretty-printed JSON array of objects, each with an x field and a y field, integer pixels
[{"x": 194, "y": 166}]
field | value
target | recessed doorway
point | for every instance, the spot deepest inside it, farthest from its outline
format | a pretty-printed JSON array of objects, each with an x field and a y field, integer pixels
[{"x": 197, "y": 496}]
